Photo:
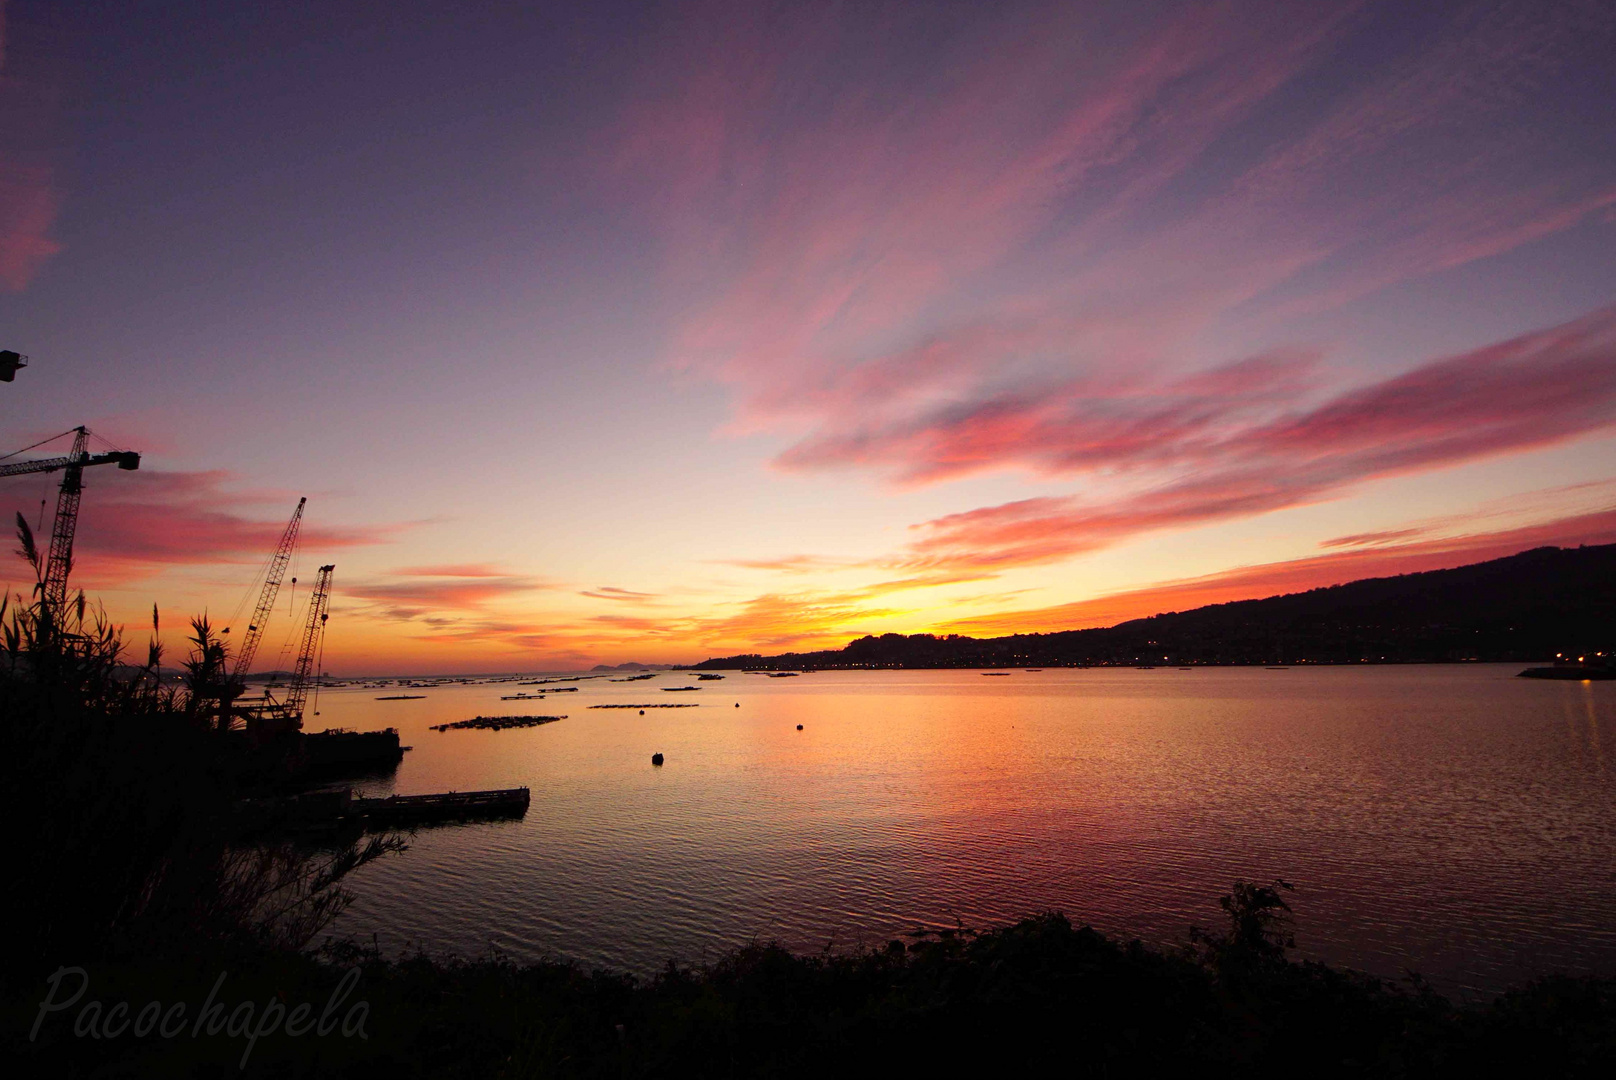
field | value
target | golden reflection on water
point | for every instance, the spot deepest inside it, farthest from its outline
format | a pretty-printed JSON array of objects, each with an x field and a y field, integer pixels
[
  {"x": 1436, "y": 818},
  {"x": 1593, "y": 725}
]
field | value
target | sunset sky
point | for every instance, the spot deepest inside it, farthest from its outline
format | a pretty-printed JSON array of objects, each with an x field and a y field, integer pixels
[{"x": 607, "y": 332}]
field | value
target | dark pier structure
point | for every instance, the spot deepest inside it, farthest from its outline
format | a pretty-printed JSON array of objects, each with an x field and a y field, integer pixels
[{"x": 343, "y": 811}]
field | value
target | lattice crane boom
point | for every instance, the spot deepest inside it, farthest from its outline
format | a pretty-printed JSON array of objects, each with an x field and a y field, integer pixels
[
  {"x": 266, "y": 598},
  {"x": 60, "y": 561},
  {"x": 298, "y": 692}
]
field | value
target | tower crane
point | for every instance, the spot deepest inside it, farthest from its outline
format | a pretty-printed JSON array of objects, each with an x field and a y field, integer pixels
[{"x": 60, "y": 562}]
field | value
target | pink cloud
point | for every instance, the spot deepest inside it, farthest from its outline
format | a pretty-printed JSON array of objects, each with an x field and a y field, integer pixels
[
  {"x": 1531, "y": 391},
  {"x": 610, "y": 592},
  {"x": 1114, "y": 421},
  {"x": 435, "y": 593},
  {"x": 793, "y": 564},
  {"x": 838, "y": 227},
  {"x": 637, "y": 623},
  {"x": 456, "y": 570},
  {"x": 1372, "y": 539},
  {"x": 1025, "y": 238},
  {"x": 30, "y": 198},
  {"x": 133, "y": 524},
  {"x": 29, "y": 203}
]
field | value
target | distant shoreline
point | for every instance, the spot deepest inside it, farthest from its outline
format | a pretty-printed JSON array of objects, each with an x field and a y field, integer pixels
[{"x": 1524, "y": 608}]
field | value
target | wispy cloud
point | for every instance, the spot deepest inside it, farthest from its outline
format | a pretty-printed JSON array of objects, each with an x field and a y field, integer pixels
[
  {"x": 610, "y": 592},
  {"x": 1012, "y": 258},
  {"x": 29, "y": 202},
  {"x": 442, "y": 592},
  {"x": 133, "y": 524},
  {"x": 30, "y": 195},
  {"x": 455, "y": 570},
  {"x": 1531, "y": 391},
  {"x": 1372, "y": 539},
  {"x": 793, "y": 564},
  {"x": 1124, "y": 421},
  {"x": 846, "y": 221}
]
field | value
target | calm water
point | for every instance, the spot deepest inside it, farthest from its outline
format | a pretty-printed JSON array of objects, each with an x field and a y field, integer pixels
[{"x": 1453, "y": 820}]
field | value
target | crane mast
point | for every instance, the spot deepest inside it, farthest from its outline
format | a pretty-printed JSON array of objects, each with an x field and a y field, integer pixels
[
  {"x": 298, "y": 692},
  {"x": 60, "y": 561},
  {"x": 266, "y": 598}
]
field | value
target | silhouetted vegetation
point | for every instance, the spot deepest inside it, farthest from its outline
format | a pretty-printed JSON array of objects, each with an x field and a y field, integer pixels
[
  {"x": 1042, "y": 997},
  {"x": 131, "y": 847},
  {"x": 1522, "y": 608}
]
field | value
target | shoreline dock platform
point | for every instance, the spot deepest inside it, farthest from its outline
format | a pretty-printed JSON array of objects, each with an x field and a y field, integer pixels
[
  {"x": 343, "y": 811},
  {"x": 447, "y": 806}
]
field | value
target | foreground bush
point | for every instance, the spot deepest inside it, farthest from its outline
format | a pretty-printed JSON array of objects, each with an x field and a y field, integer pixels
[
  {"x": 124, "y": 794},
  {"x": 1039, "y": 998}
]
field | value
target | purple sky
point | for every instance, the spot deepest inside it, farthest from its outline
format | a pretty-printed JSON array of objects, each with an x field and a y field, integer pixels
[{"x": 601, "y": 332}]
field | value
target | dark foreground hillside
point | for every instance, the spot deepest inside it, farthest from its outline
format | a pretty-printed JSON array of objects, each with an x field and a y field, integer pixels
[
  {"x": 1525, "y": 607},
  {"x": 1039, "y": 998}
]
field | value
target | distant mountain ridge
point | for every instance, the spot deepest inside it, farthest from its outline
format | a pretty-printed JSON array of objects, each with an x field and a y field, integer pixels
[{"x": 1523, "y": 607}]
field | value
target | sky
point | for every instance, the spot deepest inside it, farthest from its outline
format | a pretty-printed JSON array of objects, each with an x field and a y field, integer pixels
[{"x": 609, "y": 332}]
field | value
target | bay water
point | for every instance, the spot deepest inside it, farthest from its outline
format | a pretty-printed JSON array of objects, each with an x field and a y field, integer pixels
[{"x": 1453, "y": 820}]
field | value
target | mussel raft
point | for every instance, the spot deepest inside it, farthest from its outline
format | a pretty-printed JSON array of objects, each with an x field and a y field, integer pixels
[{"x": 498, "y": 723}]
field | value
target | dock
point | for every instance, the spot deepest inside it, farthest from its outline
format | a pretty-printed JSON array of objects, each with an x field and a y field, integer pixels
[
  {"x": 449, "y": 806},
  {"x": 343, "y": 812},
  {"x": 1571, "y": 673}
]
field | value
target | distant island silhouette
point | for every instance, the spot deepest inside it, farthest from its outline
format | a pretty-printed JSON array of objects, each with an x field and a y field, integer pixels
[{"x": 1520, "y": 608}]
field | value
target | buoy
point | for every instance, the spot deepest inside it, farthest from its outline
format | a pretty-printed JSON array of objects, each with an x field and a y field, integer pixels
[
  {"x": 656, "y": 759},
  {"x": 799, "y": 727},
  {"x": 642, "y": 712},
  {"x": 737, "y": 704}
]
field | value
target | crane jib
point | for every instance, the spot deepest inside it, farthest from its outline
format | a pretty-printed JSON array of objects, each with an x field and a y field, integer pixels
[
  {"x": 59, "y": 563},
  {"x": 266, "y": 597}
]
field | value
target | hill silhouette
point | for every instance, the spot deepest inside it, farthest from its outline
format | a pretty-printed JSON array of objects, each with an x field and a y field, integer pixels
[{"x": 1524, "y": 607}]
